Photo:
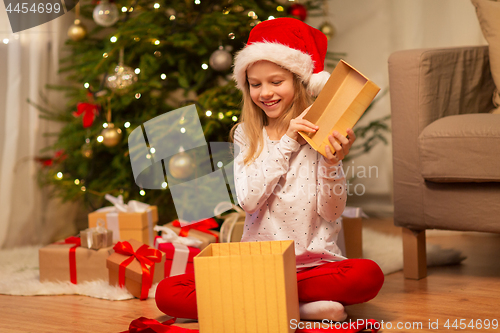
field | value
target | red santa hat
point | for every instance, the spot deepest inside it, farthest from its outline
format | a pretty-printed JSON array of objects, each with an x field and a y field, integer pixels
[{"x": 289, "y": 43}]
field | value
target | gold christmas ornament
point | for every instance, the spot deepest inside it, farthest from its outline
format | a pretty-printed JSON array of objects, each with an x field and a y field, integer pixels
[
  {"x": 77, "y": 31},
  {"x": 111, "y": 136},
  {"x": 181, "y": 165},
  {"x": 86, "y": 150},
  {"x": 328, "y": 29},
  {"x": 221, "y": 60}
]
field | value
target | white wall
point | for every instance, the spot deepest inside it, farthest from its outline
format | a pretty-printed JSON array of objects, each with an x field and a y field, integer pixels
[{"x": 368, "y": 31}]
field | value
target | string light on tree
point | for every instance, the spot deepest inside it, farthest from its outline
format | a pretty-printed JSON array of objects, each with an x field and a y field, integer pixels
[{"x": 105, "y": 14}]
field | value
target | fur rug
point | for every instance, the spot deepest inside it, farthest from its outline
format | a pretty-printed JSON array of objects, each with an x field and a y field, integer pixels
[{"x": 19, "y": 273}]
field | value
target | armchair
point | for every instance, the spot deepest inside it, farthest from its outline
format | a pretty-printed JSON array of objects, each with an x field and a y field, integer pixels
[{"x": 446, "y": 146}]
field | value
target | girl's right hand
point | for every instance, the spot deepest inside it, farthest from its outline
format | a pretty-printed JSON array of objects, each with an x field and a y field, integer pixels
[{"x": 299, "y": 124}]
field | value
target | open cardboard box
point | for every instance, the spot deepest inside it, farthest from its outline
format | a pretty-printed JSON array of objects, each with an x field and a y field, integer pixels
[
  {"x": 247, "y": 287},
  {"x": 344, "y": 98}
]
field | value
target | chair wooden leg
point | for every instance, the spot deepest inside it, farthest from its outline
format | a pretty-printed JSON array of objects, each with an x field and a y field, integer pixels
[{"x": 414, "y": 255}]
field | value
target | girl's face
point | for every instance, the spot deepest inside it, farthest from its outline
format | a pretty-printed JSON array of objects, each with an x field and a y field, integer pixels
[{"x": 271, "y": 87}]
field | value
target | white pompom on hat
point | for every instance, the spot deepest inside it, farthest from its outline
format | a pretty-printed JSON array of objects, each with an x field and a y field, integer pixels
[{"x": 289, "y": 43}]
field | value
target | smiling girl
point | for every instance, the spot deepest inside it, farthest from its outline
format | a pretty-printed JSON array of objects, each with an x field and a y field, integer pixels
[{"x": 287, "y": 189}]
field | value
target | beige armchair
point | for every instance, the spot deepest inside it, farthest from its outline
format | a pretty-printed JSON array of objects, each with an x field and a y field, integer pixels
[{"x": 446, "y": 146}]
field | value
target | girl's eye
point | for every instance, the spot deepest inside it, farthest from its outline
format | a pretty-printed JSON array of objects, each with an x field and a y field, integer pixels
[
  {"x": 277, "y": 82},
  {"x": 255, "y": 85}
]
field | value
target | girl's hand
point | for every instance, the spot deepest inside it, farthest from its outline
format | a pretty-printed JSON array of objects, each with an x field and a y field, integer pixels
[
  {"x": 299, "y": 124},
  {"x": 342, "y": 149}
]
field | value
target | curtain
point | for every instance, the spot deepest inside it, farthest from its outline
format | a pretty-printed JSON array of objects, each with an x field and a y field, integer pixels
[{"x": 28, "y": 60}]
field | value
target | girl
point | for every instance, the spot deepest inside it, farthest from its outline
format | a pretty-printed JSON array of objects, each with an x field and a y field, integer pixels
[{"x": 287, "y": 189}]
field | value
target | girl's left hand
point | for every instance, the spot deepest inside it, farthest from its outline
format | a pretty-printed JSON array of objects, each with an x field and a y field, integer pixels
[{"x": 342, "y": 149}]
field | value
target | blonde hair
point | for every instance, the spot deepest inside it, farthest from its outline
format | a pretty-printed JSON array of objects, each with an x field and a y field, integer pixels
[{"x": 255, "y": 119}]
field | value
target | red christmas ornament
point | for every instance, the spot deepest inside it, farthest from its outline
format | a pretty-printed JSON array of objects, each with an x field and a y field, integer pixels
[
  {"x": 59, "y": 156},
  {"x": 298, "y": 10}
]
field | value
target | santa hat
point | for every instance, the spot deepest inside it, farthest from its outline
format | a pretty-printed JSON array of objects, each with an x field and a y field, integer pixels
[{"x": 289, "y": 43}]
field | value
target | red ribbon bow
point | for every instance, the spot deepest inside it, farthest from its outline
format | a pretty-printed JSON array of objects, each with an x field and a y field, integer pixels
[
  {"x": 146, "y": 256},
  {"x": 89, "y": 111},
  {"x": 201, "y": 225},
  {"x": 72, "y": 256},
  {"x": 145, "y": 325}
]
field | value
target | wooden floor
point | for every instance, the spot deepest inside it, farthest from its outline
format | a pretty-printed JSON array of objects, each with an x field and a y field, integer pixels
[{"x": 470, "y": 291}]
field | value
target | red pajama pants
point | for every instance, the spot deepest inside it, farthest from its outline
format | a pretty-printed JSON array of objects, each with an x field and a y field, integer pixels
[{"x": 349, "y": 281}]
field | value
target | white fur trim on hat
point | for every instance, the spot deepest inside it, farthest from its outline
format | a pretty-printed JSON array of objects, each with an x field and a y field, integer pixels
[
  {"x": 317, "y": 82},
  {"x": 294, "y": 60}
]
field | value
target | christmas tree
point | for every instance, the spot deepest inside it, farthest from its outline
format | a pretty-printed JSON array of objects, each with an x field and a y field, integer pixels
[{"x": 140, "y": 60}]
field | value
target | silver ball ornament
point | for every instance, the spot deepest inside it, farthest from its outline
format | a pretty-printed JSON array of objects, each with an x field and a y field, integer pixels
[
  {"x": 123, "y": 77},
  {"x": 105, "y": 14},
  {"x": 221, "y": 60}
]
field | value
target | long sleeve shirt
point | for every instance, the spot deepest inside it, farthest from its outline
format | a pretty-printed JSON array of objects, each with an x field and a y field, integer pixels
[{"x": 290, "y": 192}]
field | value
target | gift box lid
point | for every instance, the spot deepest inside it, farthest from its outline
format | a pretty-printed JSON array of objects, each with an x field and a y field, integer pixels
[
  {"x": 169, "y": 250},
  {"x": 133, "y": 270},
  {"x": 126, "y": 220}
]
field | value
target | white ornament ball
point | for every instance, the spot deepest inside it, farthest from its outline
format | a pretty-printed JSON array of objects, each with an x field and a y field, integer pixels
[
  {"x": 221, "y": 60},
  {"x": 123, "y": 77},
  {"x": 105, "y": 14}
]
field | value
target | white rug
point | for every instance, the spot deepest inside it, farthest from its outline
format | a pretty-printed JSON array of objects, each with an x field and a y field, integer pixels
[{"x": 19, "y": 273}]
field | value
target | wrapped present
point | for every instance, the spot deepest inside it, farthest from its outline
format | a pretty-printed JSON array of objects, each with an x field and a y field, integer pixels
[
  {"x": 231, "y": 229},
  {"x": 132, "y": 220},
  {"x": 350, "y": 240},
  {"x": 179, "y": 251},
  {"x": 258, "y": 279},
  {"x": 199, "y": 230},
  {"x": 68, "y": 261},
  {"x": 96, "y": 238},
  {"x": 136, "y": 267}
]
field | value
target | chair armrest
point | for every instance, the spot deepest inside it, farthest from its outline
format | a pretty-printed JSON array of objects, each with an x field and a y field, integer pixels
[{"x": 425, "y": 85}]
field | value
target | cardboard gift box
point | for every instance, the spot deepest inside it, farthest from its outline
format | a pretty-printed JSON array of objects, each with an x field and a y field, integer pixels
[
  {"x": 96, "y": 238},
  {"x": 70, "y": 262},
  {"x": 344, "y": 98},
  {"x": 178, "y": 257},
  {"x": 350, "y": 239},
  {"x": 199, "y": 230},
  {"x": 247, "y": 287},
  {"x": 136, "y": 267},
  {"x": 231, "y": 229},
  {"x": 129, "y": 225}
]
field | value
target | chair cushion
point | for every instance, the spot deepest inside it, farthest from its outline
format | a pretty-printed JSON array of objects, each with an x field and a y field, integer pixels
[
  {"x": 488, "y": 14},
  {"x": 461, "y": 148}
]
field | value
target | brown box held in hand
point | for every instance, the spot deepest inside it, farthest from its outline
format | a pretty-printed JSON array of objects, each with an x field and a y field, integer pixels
[
  {"x": 133, "y": 271},
  {"x": 344, "y": 98},
  {"x": 247, "y": 287}
]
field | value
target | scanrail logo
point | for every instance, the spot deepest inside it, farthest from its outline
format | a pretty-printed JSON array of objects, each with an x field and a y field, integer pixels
[
  {"x": 198, "y": 174},
  {"x": 26, "y": 14}
]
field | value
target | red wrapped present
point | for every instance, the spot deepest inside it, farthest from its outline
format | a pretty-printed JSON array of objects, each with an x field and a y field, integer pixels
[
  {"x": 135, "y": 266},
  {"x": 179, "y": 257},
  {"x": 68, "y": 261}
]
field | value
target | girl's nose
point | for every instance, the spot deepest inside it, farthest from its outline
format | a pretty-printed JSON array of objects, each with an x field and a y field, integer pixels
[{"x": 266, "y": 91}]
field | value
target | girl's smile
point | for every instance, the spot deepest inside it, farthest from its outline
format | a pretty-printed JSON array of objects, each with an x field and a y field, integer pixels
[{"x": 271, "y": 88}]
